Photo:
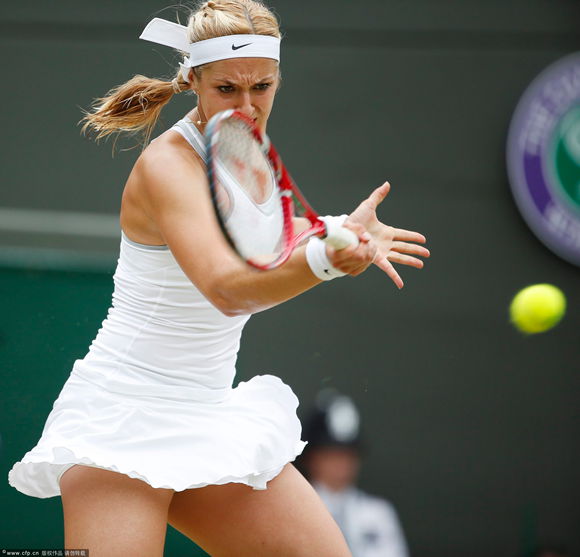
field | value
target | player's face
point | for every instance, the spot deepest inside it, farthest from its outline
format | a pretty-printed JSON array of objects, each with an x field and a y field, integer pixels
[
  {"x": 334, "y": 467},
  {"x": 245, "y": 84}
]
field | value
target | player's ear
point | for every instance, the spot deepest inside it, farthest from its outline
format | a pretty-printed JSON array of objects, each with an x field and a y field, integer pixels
[{"x": 193, "y": 81}]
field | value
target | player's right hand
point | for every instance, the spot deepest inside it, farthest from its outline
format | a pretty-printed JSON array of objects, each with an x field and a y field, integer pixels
[{"x": 354, "y": 260}]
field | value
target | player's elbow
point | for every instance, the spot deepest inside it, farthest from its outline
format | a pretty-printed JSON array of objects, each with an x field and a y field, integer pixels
[
  {"x": 233, "y": 310},
  {"x": 230, "y": 305},
  {"x": 230, "y": 294}
]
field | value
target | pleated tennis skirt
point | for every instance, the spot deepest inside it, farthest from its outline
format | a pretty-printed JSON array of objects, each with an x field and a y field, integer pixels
[{"x": 168, "y": 442}]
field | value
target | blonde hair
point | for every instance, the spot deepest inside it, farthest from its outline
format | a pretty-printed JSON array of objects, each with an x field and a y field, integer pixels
[{"x": 134, "y": 106}]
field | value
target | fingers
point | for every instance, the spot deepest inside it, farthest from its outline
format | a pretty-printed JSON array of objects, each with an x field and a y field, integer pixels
[
  {"x": 354, "y": 260},
  {"x": 379, "y": 194},
  {"x": 409, "y": 236},
  {"x": 381, "y": 244},
  {"x": 411, "y": 249},
  {"x": 402, "y": 259},
  {"x": 385, "y": 265},
  {"x": 359, "y": 230}
]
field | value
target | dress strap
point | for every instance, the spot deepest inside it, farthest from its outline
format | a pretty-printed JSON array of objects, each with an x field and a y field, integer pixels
[{"x": 192, "y": 135}]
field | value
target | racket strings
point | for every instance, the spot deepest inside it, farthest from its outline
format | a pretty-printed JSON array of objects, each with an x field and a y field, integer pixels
[
  {"x": 243, "y": 158},
  {"x": 245, "y": 192}
]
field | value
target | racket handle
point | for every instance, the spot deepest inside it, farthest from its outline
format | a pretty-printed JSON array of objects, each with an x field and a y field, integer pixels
[{"x": 337, "y": 235}]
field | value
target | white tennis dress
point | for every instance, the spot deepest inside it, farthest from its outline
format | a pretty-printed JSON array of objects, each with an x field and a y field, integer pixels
[{"x": 153, "y": 398}]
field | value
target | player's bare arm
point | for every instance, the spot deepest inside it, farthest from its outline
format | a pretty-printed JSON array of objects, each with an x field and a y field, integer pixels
[{"x": 179, "y": 203}]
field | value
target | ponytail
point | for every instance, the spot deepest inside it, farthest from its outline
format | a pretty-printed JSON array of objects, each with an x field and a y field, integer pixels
[{"x": 133, "y": 107}]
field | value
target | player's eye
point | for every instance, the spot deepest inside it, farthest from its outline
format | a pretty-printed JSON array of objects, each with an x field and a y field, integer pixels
[
  {"x": 262, "y": 86},
  {"x": 226, "y": 88}
]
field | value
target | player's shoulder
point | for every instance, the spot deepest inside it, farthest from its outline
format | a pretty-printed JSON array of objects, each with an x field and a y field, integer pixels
[
  {"x": 168, "y": 160},
  {"x": 165, "y": 152}
]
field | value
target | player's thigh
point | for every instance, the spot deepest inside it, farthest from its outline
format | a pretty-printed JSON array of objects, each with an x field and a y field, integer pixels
[
  {"x": 112, "y": 514},
  {"x": 287, "y": 520}
]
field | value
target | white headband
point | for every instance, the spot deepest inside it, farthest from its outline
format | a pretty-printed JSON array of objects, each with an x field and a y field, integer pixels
[{"x": 171, "y": 34}]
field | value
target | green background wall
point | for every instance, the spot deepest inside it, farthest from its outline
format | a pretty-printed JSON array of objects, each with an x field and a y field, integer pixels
[{"x": 472, "y": 428}]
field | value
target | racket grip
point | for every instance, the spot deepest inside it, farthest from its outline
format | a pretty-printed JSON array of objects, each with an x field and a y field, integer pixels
[{"x": 337, "y": 235}]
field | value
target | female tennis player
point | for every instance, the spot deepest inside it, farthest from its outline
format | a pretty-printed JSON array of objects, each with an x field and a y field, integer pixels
[{"x": 148, "y": 430}]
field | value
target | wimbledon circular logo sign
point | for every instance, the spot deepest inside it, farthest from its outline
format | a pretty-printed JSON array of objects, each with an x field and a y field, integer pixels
[{"x": 543, "y": 157}]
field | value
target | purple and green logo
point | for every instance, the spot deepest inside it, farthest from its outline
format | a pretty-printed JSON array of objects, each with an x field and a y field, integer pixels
[{"x": 543, "y": 157}]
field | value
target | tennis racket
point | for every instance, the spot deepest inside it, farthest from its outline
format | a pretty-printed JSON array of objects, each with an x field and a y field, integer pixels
[{"x": 256, "y": 201}]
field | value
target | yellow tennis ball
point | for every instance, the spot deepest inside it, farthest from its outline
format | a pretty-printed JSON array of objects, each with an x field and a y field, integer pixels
[{"x": 537, "y": 308}]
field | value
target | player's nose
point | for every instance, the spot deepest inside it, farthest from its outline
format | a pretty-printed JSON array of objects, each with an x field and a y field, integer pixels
[{"x": 245, "y": 104}]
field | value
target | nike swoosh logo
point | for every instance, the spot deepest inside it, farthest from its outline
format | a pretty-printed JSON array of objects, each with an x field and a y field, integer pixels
[{"x": 234, "y": 47}]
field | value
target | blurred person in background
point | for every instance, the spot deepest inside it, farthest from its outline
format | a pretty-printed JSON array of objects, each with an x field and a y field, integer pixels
[{"x": 331, "y": 462}]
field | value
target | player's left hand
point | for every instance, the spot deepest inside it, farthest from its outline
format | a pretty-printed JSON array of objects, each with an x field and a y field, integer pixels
[{"x": 394, "y": 245}]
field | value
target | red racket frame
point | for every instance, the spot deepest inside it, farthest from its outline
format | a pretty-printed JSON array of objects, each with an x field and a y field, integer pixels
[{"x": 288, "y": 189}]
